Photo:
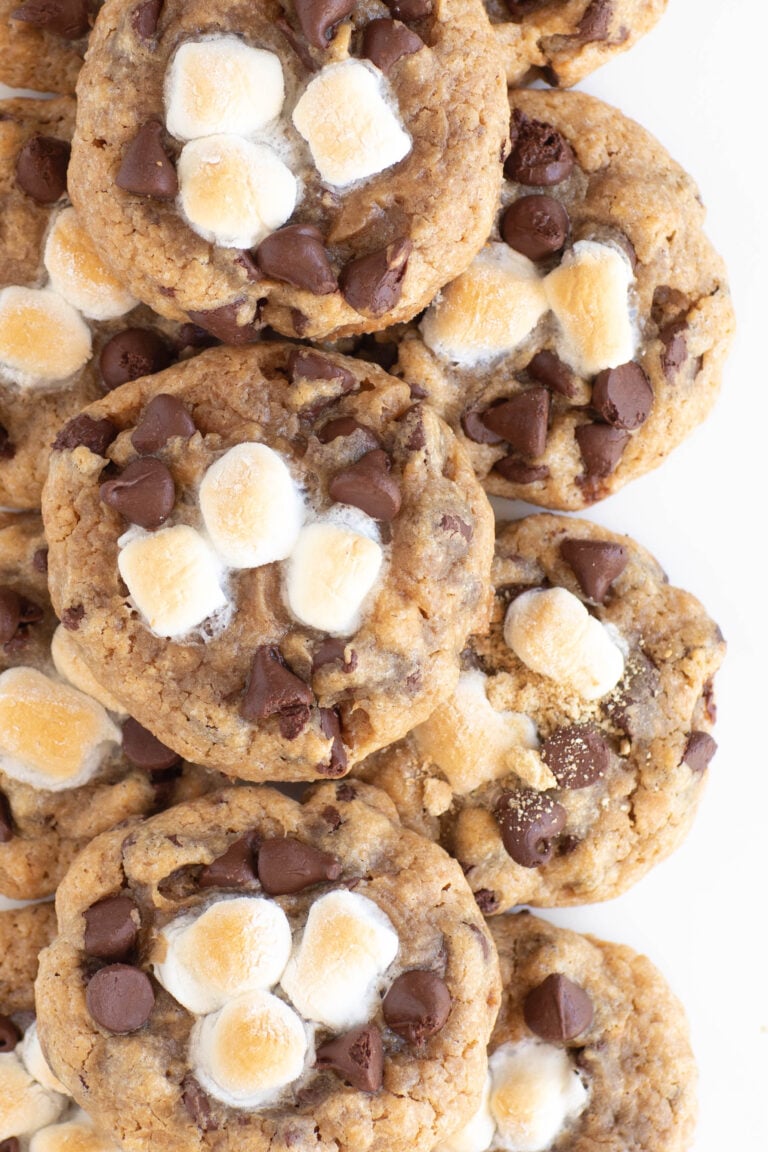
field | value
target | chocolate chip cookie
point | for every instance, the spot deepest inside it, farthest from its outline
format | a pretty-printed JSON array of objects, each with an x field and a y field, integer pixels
[
  {"x": 587, "y": 339},
  {"x": 300, "y": 165},
  {"x": 271, "y": 555},
  {"x": 572, "y": 756},
  {"x": 27, "y": 620},
  {"x": 351, "y": 947},
  {"x": 42, "y": 42}
]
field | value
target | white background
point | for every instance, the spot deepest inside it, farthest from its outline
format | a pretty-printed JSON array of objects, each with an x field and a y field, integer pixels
[{"x": 696, "y": 82}]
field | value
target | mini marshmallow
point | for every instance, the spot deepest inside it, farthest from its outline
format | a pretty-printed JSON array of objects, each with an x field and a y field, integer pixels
[
  {"x": 25, "y": 1105},
  {"x": 173, "y": 579},
  {"x": 79, "y": 274},
  {"x": 253, "y": 510},
  {"x": 335, "y": 973},
  {"x": 471, "y": 742},
  {"x": 477, "y": 1134},
  {"x": 36, "y": 1064},
  {"x": 351, "y": 130},
  {"x": 552, "y": 632},
  {"x": 77, "y": 1134},
  {"x": 235, "y": 946},
  {"x": 233, "y": 192},
  {"x": 488, "y": 310},
  {"x": 52, "y": 737},
  {"x": 222, "y": 85},
  {"x": 331, "y": 572},
  {"x": 71, "y": 667},
  {"x": 249, "y": 1051},
  {"x": 589, "y": 296},
  {"x": 536, "y": 1092},
  {"x": 42, "y": 338}
]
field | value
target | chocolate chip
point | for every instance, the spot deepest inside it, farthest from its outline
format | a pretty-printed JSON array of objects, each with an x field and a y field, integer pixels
[
  {"x": 673, "y": 337},
  {"x": 234, "y": 868},
  {"x": 41, "y": 168},
  {"x": 40, "y": 560},
  {"x": 12, "y": 1144},
  {"x": 163, "y": 418},
  {"x": 10, "y": 614},
  {"x": 522, "y": 421},
  {"x": 72, "y": 616},
  {"x": 144, "y": 493},
  {"x": 145, "y": 750},
  {"x": 332, "y": 817},
  {"x": 133, "y": 353},
  {"x": 368, "y": 484},
  {"x": 699, "y": 750},
  {"x": 623, "y": 396},
  {"x": 65, "y": 18},
  {"x": 224, "y": 323},
  {"x": 477, "y": 430},
  {"x": 595, "y": 563},
  {"x": 417, "y": 1005},
  {"x": 409, "y": 9},
  {"x": 539, "y": 153},
  {"x": 146, "y": 168},
  {"x": 273, "y": 690},
  {"x": 577, "y": 755},
  {"x": 297, "y": 256},
  {"x": 595, "y": 24},
  {"x": 601, "y": 447},
  {"x": 7, "y": 447},
  {"x": 456, "y": 526},
  {"x": 631, "y": 704},
  {"x": 358, "y": 1057},
  {"x": 558, "y": 1010},
  {"x": 304, "y": 365},
  {"x": 330, "y": 726},
  {"x": 193, "y": 336},
  {"x": 529, "y": 821},
  {"x": 372, "y": 284},
  {"x": 347, "y": 426},
  {"x": 487, "y": 901},
  {"x": 332, "y": 651},
  {"x": 145, "y": 19},
  {"x": 537, "y": 226},
  {"x": 9, "y": 1034},
  {"x": 6, "y": 820},
  {"x": 286, "y": 865},
  {"x": 197, "y": 1104},
  {"x": 385, "y": 42},
  {"x": 318, "y": 18},
  {"x": 346, "y": 792},
  {"x": 120, "y": 998},
  {"x": 518, "y": 471},
  {"x": 85, "y": 432},
  {"x": 111, "y": 928}
]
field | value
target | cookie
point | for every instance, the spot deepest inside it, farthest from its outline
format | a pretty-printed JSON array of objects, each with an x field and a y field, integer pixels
[
  {"x": 352, "y": 943},
  {"x": 27, "y": 620},
  {"x": 587, "y": 339},
  {"x": 24, "y": 932},
  {"x": 590, "y": 1049},
  {"x": 572, "y": 756},
  {"x": 270, "y": 555},
  {"x": 301, "y": 166},
  {"x": 42, "y": 43}
]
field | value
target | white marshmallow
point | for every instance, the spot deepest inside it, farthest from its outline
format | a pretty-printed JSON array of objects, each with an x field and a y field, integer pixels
[
  {"x": 52, "y": 737},
  {"x": 536, "y": 1092},
  {"x": 42, "y": 338},
  {"x": 477, "y": 1134},
  {"x": 351, "y": 130},
  {"x": 334, "y": 975},
  {"x": 25, "y": 1105},
  {"x": 222, "y": 85},
  {"x": 331, "y": 572},
  {"x": 36, "y": 1064},
  {"x": 71, "y": 667},
  {"x": 77, "y": 1134},
  {"x": 552, "y": 632},
  {"x": 249, "y": 1051},
  {"x": 79, "y": 274},
  {"x": 235, "y": 946},
  {"x": 234, "y": 192},
  {"x": 253, "y": 510},
  {"x": 173, "y": 579},
  {"x": 488, "y": 310}
]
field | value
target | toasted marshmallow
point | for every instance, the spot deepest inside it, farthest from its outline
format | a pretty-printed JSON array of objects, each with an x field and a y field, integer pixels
[
  {"x": 253, "y": 510},
  {"x": 477, "y": 1134},
  {"x": 233, "y": 192},
  {"x": 222, "y": 85},
  {"x": 249, "y": 1051},
  {"x": 535, "y": 1092},
  {"x": 51, "y": 736},
  {"x": 25, "y": 1105},
  {"x": 42, "y": 338},
  {"x": 331, "y": 572},
  {"x": 589, "y": 294},
  {"x": 77, "y": 1134},
  {"x": 173, "y": 578},
  {"x": 36, "y": 1064},
  {"x": 235, "y": 946},
  {"x": 79, "y": 274},
  {"x": 471, "y": 742},
  {"x": 71, "y": 667},
  {"x": 334, "y": 975},
  {"x": 351, "y": 130},
  {"x": 488, "y": 310},
  {"x": 552, "y": 632}
]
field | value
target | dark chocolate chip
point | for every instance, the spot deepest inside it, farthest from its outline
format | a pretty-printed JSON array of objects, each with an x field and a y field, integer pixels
[
  {"x": 630, "y": 706},
  {"x": 12, "y": 1144},
  {"x": 40, "y": 560},
  {"x": 296, "y": 255},
  {"x": 477, "y": 430},
  {"x": 372, "y": 284},
  {"x": 146, "y": 168},
  {"x": 540, "y": 155},
  {"x": 409, "y": 9},
  {"x": 273, "y": 690},
  {"x": 417, "y": 1005},
  {"x": 72, "y": 616},
  {"x": 41, "y": 168},
  {"x": 332, "y": 651},
  {"x": 529, "y": 822},
  {"x": 144, "y": 493},
  {"x": 133, "y": 353},
  {"x": 286, "y": 865},
  {"x": 675, "y": 353},
  {"x": 224, "y": 323},
  {"x": 577, "y": 755},
  {"x": 558, "y": 1010},
  {"x": 145, "y": 750},
  {"x": 519, "y": 471},
  {"x": 330, "y": 726},
  {"x": 595, "y": 24},
  {"x": 487, "y": 901},
  {"x": 699, "y": 750},
  {"x": 386, "y": 41},
  {"x": 9, "y": 1034},
  {"x": 120, "y": 998},
  {"x": 537, "y": 226},
  {"x": 83, "y": 431},
  {"x": 318, "y": 18},
  {"x": 332, "y": 817},
  {"x": 522, "y": 421},
  {"x": 193, "y": 336},
  {"x": 10, "y": 614},
  {"x": 145, "y": 19},
  {"x": 601, "y": 447},
  {"x": 197, "y": 1104},
  {"x": 305, "y": 365},
  {"x": 162, "y": 419},
  {"x": 6, "y": 820},
  {"x": 369, "y": 485},
  {"x": 595, "y": 564},
  {"x": 623, "y": 396},
  {"x": 456, "y": 526},
  {"x": 235, "y": 868},
  {"x": 65, "y": 18},
  {"x": 357, "y": 1056},
  {"x": 111, "y": 928},
  {"x": 347, "y": 426}
]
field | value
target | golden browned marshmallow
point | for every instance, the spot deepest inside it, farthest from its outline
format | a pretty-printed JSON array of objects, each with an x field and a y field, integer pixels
[
  {"x": 71, "y": 667},
  {"x": 25, "y": 1105},
  {"x": 78, "y": 273},
  {"x": 536, "y": 1090},
  {"x": 77, "y": 1134},
  {"x": 36, "y": 1064},
  {"x": 42, "y": 338},
  {"x": 331, "y": 571}
]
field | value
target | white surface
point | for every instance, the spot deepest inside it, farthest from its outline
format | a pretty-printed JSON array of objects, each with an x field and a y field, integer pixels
[{"x": 696, "y": 82}]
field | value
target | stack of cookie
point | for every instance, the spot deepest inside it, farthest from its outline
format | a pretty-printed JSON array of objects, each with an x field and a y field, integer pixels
[{"x": 289, "y": 726}]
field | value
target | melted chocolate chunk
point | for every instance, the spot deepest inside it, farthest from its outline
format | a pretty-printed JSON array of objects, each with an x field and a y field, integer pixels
[
  {"x": 145, "y": 19},
  {"x": 111, "y": 928},
  {"x": 595, "y": 564},
  {"x": 519, "y": 471},
  {"x": 601, "y": 448},
  {"x": 120, "y": 998},
  {"x": 577, "y": 756},
  {"x": 144, "y": 493},
  {"x": 357, "y": 1056},
  {"x": 318, "y": 18},
  {"x": 330, "y": 726},
  {"x": 529, "y": 822},
  {"x": 455, "y": 526},
  {"x": 477, "y": 430},
  {"x": 699, "y": 750},
  {"x": 347, "y": 426},
  {"x": 522, "y": 421},
  {"x": 558, "y": 1010},
  {"x": 385, "y": 42},
  {"x": 417, "y": 1005},
  {"x": 623, "y": 396},
  {"x": 72, "y": 616},
  {"x": 83, "y": 431},
  {"x": 487, "y": 901},
  {"x": 306, "y": 365},
  {"x": 373, "y": 284},
  {"x": 286, "y": 865},
  {"x": 540, "y": 155},
  {"x": 273, "y": 690},
  {"x": 133, "y": 353},
  {"x": 368, "y": 484},
  {"x": 595, "y": 24},
  {"x": 145, "y": 750},
  {"x": 224, "y": 324},
  {"x": 146, "y": 168},
  {"x": 331, "y": 651},
  {"x": 198, "y": 1104},
  {"x": 41, "y": 168},
  {"x": 537, "y": 226},
  {"x": 65, "y": 18},
  {"x": 630, "y": 706},
  {"x": 235, "y": 868},
  {"x": 675, "y": 353},
  {"x": 162, "y": 419},
  {"x": 296, "y": 255}
]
